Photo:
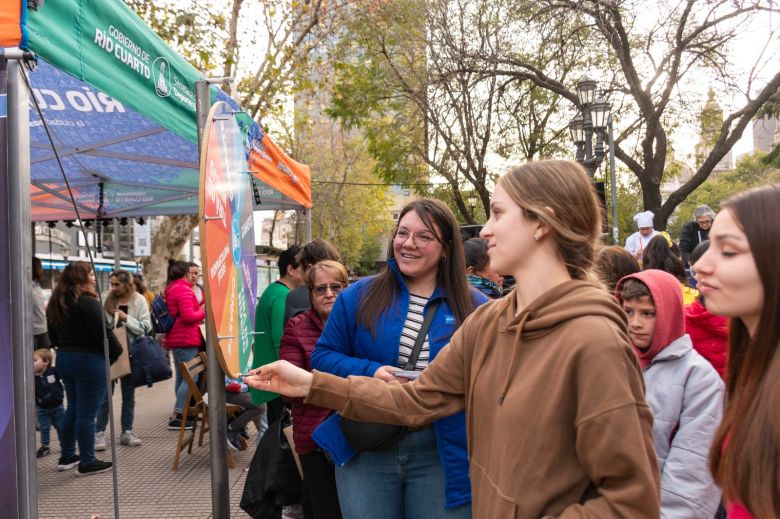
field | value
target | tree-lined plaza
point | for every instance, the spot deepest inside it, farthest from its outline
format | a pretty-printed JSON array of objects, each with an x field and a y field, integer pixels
[{"x": 442, "y": 96}]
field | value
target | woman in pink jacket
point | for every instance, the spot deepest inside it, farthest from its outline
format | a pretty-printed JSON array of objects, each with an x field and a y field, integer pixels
[
  {"x": 325, "y": 281},
  {"x": 184, "y": 339}
]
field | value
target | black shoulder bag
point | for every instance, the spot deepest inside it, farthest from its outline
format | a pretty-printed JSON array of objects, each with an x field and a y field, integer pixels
[{"x": 371, "y": 436}]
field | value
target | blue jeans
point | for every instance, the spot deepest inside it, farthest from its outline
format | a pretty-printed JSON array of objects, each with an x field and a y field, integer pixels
[
  {"x": 84, "y": 378},
  {"x": 405, "y": 482},
  {"x": 128, "y": 406},
  {"x": 48, "y": 416},
  {"x": 180, "y": 388}
]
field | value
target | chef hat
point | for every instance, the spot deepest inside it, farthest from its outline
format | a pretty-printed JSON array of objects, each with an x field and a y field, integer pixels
[{"x": 644, "y": 219}]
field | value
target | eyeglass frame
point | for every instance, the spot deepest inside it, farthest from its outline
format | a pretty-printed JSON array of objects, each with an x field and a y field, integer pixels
[
  {"x": 411, "y": 235},
  {"x": 322, "y": 290}
]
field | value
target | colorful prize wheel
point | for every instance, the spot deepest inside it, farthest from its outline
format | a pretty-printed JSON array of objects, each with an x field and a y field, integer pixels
[{"x": 227, "y": 240}]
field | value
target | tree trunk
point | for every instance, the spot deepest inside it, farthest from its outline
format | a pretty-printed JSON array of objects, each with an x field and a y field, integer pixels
[{"x": 167, "y": 243}]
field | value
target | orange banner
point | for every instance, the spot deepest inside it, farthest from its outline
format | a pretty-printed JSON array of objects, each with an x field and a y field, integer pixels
[
  {"x": 272, "y": 166},
  {"x": 10, "y": 23}
]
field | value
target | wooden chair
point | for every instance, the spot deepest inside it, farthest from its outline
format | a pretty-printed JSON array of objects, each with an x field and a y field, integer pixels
[{"x": 197, "y": 408}]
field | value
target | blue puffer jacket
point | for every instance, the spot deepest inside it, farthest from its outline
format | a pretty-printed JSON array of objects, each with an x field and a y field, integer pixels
[{"x": 344, "y": 349}]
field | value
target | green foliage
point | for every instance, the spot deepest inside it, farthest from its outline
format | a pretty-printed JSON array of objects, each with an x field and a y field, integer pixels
[
  {"x": 445, "y": 193},
  {"x": 350, "y": 210},
  {"x": 366, "y": 94},
  {"x": 771, "y": 108},
  {"x": 629, "y": 202},
  {"x": 773, "y": 157},
  {"x": 753, "y": 170},
  {"x": 403, "y": 76},
  {"x": 196, "y": 34},
  {"x": 367, "y": 261}
]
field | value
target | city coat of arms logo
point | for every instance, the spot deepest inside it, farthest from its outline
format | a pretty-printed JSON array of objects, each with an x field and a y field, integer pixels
[{"x": 161, "y": 73}]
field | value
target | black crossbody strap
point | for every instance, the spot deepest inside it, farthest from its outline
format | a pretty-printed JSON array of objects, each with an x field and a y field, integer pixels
[{"x": 420, "y": 340}]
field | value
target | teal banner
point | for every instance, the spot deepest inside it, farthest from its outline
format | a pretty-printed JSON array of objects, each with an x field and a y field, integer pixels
[{"x": 105, "y": 44}]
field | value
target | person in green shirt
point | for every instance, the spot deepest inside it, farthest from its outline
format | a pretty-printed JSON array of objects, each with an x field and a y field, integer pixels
[{"x": 269, "y": 323}]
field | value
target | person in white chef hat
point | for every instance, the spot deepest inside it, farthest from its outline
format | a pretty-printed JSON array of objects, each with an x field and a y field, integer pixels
[{"x": 636, "y": 243}]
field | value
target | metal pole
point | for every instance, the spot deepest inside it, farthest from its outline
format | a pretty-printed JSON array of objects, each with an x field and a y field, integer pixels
[
  {"x": 613, "y": 184},
  {"x": 20, "y": 254},
  {"x": 308, "y": 224},
  {"x": 220, "y": 496},
  {"x": 587, "y": 127},
  {"x": 117, "y": 253}
]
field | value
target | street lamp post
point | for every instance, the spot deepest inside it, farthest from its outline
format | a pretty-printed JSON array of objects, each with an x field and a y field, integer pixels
[
  {"x": 472, "y": 201},
  {"x": 591, "y": 119}
]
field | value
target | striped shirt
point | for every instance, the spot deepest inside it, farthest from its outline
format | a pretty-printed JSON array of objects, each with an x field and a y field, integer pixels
[{"x": 412, "y": 325}]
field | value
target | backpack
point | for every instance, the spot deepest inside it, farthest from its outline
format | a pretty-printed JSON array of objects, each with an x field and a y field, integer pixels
[{"x": 162, "y": 320}]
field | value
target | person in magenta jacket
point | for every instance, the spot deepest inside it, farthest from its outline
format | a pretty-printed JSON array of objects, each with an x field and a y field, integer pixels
[
  {"x": 325, "y": 281},
  {"x": 184, "y": 339}
]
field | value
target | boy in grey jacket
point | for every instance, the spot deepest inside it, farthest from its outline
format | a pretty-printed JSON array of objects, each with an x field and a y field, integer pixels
[{"x": 683, "y": 390}]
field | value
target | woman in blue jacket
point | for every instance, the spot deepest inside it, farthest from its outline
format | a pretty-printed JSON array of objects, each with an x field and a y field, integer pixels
[{"x": 371, "y": 331}]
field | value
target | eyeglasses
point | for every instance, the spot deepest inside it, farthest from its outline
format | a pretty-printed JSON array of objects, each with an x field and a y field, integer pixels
[
  {"x": 321, "y": 290},
  {"x": 420, "y": 239},
  {"x": 704, "y": 223}
]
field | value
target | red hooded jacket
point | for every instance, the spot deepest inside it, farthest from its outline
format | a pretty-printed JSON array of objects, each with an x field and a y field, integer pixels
[
  {"x": 300, "y": 335},
  {"x": 709, "y": 334},
  {"x": 184, "y": 307},
  {"x": 669, "y": 321}
]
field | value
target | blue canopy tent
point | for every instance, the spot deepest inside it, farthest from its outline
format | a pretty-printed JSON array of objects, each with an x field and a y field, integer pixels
[{"x": 119, "y": 163}]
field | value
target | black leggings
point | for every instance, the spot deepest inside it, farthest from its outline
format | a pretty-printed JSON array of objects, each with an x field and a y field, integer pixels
[{"x": 319, "y": 495}]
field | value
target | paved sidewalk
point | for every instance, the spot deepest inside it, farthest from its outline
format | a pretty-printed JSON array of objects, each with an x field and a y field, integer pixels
[{"x": 148, "y": 487}]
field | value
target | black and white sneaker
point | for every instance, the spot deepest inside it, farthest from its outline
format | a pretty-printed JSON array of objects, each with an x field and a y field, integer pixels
[
  {"x": 174, "y": 424},
  {"x": 234, "y": 440},
  {"x": 42, "y": 451},
  {"x": 95, "y": 467},
  {"x": 68, "y": 463}
]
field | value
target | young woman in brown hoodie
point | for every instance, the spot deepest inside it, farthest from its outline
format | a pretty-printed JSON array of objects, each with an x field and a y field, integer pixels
[{"x": 557, "y": 421}]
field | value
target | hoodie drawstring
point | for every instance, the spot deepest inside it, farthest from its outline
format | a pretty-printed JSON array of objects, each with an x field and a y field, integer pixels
[{"x": 515, "y": 356}]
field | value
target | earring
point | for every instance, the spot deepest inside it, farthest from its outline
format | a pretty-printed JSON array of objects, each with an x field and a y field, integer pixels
[{"x": 536, "y": 237}]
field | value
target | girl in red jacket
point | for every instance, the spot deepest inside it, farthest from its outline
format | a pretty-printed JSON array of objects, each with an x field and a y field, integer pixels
[
  {"x": 184, "y": 339},
  {"x": 325, "y": 281}
]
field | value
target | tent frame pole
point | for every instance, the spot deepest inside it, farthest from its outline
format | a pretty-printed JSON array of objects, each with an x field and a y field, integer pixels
[
  {"x": 20, "y": 255},
  {"x": 220, "y": 496}
]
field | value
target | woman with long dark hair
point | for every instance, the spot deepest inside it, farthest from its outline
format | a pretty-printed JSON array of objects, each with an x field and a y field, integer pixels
[
  {"x": 739, "y": 278},
  {"x": 372, "y": 331},
  {"x": 184, "y": 339},
  {"x": 557, "y": 421},
  {"x": 659, "y": 255},
  {"x": 76, "y": 327}
]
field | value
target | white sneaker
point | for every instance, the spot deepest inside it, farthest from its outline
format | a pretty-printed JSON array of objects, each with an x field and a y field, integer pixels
[
  {"x": 100, "y": 441},
  {"x": 292, "y": 512},
  {"x": 129, "y": 438}
]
